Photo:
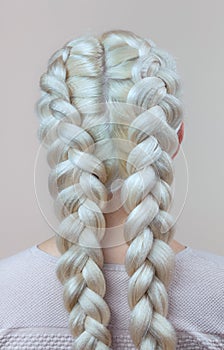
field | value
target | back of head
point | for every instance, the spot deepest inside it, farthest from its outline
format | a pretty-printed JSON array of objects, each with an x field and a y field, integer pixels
[{"x": 110, "y": 109}]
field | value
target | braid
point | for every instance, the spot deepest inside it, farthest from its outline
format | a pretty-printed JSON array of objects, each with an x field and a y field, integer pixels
[
  {"x": 116, "y": 95},
  {"x": 72, "y": 84},
  {"x": 149, "y": 228}
]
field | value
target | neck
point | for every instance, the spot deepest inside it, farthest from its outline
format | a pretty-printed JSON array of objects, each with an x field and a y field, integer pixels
[
  {"x": 113, "y": 244},
  {"x": 114, "y": 255}
]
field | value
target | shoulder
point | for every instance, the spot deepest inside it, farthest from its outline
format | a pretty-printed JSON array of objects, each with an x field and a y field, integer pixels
[
  {"x": 25, "y": 266},
  {"x": 213, "y": 258},
  {"x": 196, "y": 291},
  {"x": 30, "y": 290},
  {"x": 14, "y": 267},
  {"x": 194, "y": 264},
  {"x": 199, "y": 268}
]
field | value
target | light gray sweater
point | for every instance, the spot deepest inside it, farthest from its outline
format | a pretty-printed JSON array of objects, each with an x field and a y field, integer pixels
[{"x": 32, "y": 315}]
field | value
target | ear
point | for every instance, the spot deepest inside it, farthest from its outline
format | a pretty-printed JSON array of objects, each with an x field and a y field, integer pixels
[{"x": 180, "y": 137}]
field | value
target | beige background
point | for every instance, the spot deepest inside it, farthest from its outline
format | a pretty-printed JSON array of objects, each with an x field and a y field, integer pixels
[{"x": 190, "y": 30}]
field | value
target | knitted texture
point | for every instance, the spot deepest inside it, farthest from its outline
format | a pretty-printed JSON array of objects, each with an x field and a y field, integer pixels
[
  {"x": 32, "y": 315},
  {"x": 56, "y": 340}
]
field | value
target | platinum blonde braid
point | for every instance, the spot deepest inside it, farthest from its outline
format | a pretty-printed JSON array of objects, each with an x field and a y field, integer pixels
[
  {"x": 146, "y": 193},
  {"x": 72, "y": 88}
]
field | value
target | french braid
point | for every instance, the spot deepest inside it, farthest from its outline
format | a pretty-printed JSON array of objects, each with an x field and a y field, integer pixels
[
  {"x": 149, "y": 228},
  {"x": 72, "y": 85},
  {"x": 82, "y": 77}
]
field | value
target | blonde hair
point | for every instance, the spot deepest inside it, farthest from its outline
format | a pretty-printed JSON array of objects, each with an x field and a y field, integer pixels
[{"x": 138, "y": 84}]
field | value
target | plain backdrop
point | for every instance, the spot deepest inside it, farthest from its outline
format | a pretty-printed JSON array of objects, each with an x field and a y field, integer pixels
[{"x": 30, "y": 31}]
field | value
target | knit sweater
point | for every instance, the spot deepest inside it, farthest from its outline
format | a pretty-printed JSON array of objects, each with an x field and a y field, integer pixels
[{"x": 33, "y": 317}]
